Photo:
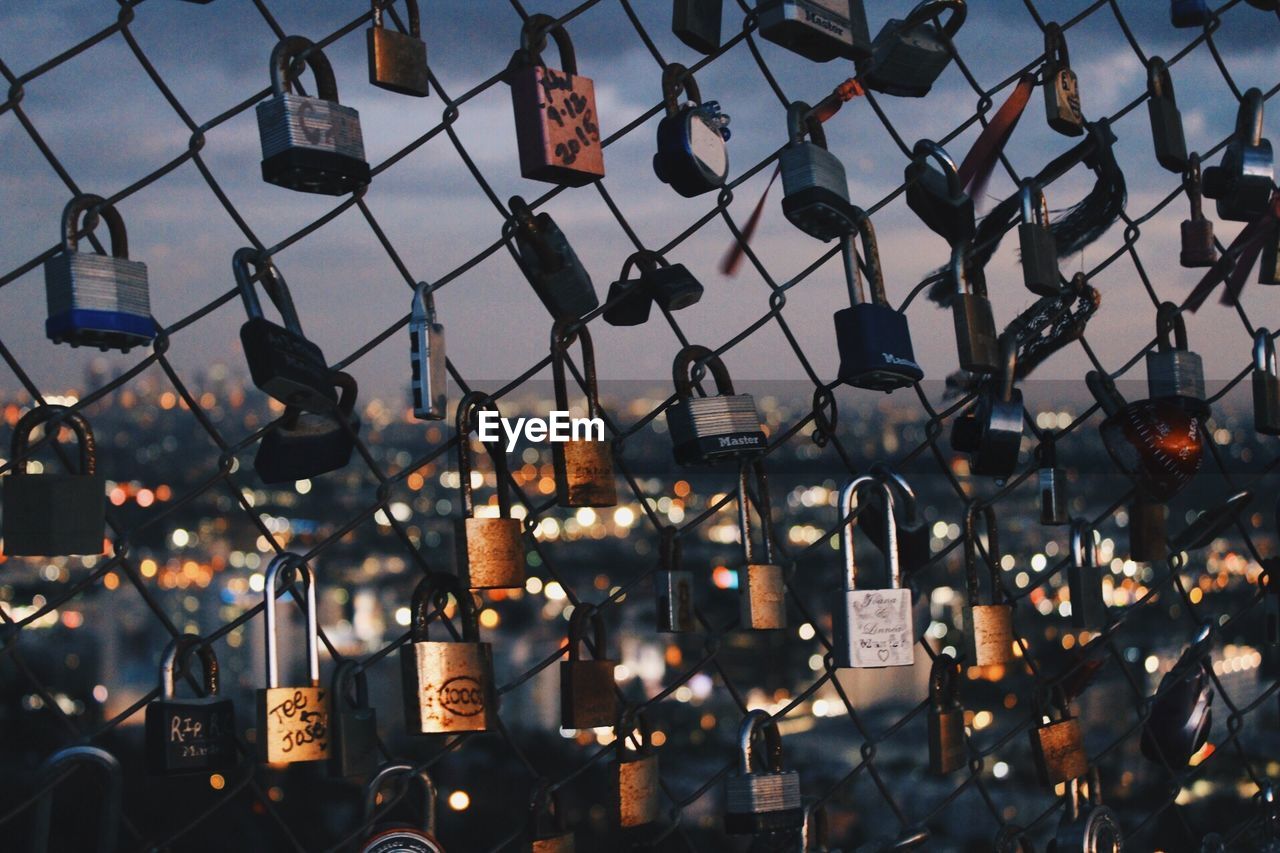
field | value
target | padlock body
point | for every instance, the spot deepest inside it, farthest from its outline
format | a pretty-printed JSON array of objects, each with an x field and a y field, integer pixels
[
  {"x": 1167, "y": 134},
  {"x": 315, "y": 445},
  {"x": 673, "y": 287},
  {"x": 398, "y": 62},
  {"x": 588, "y": 696},
  {"x": 757, "y": 803},
  {"x": 631, "y": 307},
  {"x": 53, "y": 514},
  {"x": 1039, "y": 259},
  {"x": 1157, "y": 442},
  {"x": 1062, "y": 102},
  {"x": 1189, "y": 13},
  {"x": 674, "y": 601},
  {"x": 448, "y": 687},
  {"x": 697, "y": 23},
  {"x": 98, "y": 301},
  {"x": 557, "y": 127},
  {"x": 1000, "y": 422},
  {"x": 1180, "y": 718},
  {"x": 190, "y": 735},
  {"x": 293, "y": 724},
  {"x": 815, "y": 191},
  {"x": 1058, "y": 750},
  {"x": 354, "y": 752},
  {"x": 1088, "y": 610},
  {"x": 311, "y": 145},
  {"x": 929, "y": 197},
  {"x": 705, "y": 430},
  {"x": 820, "y": 30},
  {"x": 1266, "y": 403},
  {"x": 401, "y": 839},
  {"x": 762, "y": 597},
  {"x": 287, "y": 366},
  {"x": 1242, "y": 185},
  {"x": 1148, "y": 533},
  {"x": 636, "y": 791},
  {"x": 584, "y": 473},
  {"x": 562, "y": 283},
  {"x": 429, "y": 372},
  {"x": 988, "y": 634},
  {"x": 1175, "y": 373},
  {"x": 692, "y": 156},
  {"x": 875, "y": 348},
  {"x": 1198, "y": 248},
  {"x": 491, "y": 552},
  {"x": 872, "y": 628},
  {"x": 563, "y": 843},
  {"x": 947, "y": 749},
  {"x": 905, "y": 61},
  {"x": 977, "y": 344},
  {"x": 1053, "y": 496}
]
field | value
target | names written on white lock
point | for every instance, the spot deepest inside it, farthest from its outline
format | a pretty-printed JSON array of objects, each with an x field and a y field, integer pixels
[{"x": 558, "y": 426}]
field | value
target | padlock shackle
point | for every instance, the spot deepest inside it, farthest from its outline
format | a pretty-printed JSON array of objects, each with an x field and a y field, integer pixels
[
  {"x": 971, "y": 552},
  {"x": 384, "y": 775},
  {"x": 174, "y": 661},
  {"x": 1159, "y": 81},
  {"x": 630, "y": 718},
  {"x": 669, "y": 550},
  {"x": 682, "y": 367},
  {"x": 801, "y": 120},
  {"x": 477, "y": 400},
  {"x": 1193, "y": 185},
  {"x": 759, "y": 722},
  {"x": 813, "y": 832},
  {"x": 1081, "y": 556},
  {"x": 283, "y": 56},
  {"x": 411, "y": 8},
  {"x": 944, "y": 682},
  {"x": 646, "y": 260},
  {"x": 1264, "y": 352},
  {"x": 582, "y": 614},
  {"x": 1056, "y": 55},
  {"x": 433, "y": 589},
  {"x": 423, "y": 308},
  {"x": 545, "y": 806},
  {"x": 21, "y": 440},
  {"x": 928, "y": 9},
  {"x": 289, "y": 562},
  {"x": 904, "y": 493},
  {"x": 1104, "y": 392},
  {"x": 870, "y": 256},
  {"x": 928, "y": 149},
  {"x": 848, "y": 500},
  {"x": 764, "y": 509},
  {"x": 561, "y": 339},
  {"x": 533, "y": 40},
  {"x": 92, "y": 208},
  {"x": 109, "y": 815},
  {"x": 1169, "y": 319},
  {"x": 345, "y": 673},
  {"x": 273, "y": 283},
  {"x": 1249, "y": 118},
  {"x": 1031, "y": 193},
  {"x": 675, "y": 79}
]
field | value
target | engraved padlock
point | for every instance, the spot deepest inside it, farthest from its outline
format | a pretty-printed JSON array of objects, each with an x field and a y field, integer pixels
[
  {"x": 195, "y": 735},
  {"x": 355, "y": 723},
  {"x": 1181, "y": 718},
  {"x": 490, "y": 550},
  {"x": 761, "y": 800},
  {"x": 1166, "y": 120},
  {"x": 673, "y": 587},
  {"x": 636, "y": 789},
  {"x": 50, "y": 514},
  {"x": 948, "y": 750},
  {"x": 815, "y": 191},
  {"x": 1198, "y": 246},
  {"x": 584, "y": 464},
  {"x": 97, "y": 300},
  {"x": 1172, "y": 369},
  {"x": 1036, "y": 244},
  {"x": 588, "y": 692},
  {"x": 1058, "y": 745},
  {"x": 1148, "y": 529},
  {"x": 1087, "y": 825},
  {"x": 1084, "y": 580},
  {"x": 398, "y": 61},
  {"x": 938, "y": 197},
  {"x": 908, "y": 56},
  {"x": 549, "y": 830},
  {"x": 1190, "y": 13},
  {"x": 998, "y": 416},
  {"x": 303, "y": 445},
  {"x": 400, "y": 837},
  {"x": 762, "y": 588},
  {"x": 549, "y": 263},
  {"x": 1061, "y": 87},
  {"x": 557, "y": 126},
  {"x": 52, "y": 770},
  {"x": 697, "y": 23},
  {"x": 706, "y": 430},
  {"x": 691, "y": 155},
  {"x": 448, "y": 685},
  {"x": 293, "y": 722},
  {"x": 988, "y": 627},
  {"x": 1266, "y": 384},
  {"x": 428, "y": 366},
  {"x": 313, "y": 145},
  {"x": 821, "y": 30},
  {"x": 1243, "y": 183}
]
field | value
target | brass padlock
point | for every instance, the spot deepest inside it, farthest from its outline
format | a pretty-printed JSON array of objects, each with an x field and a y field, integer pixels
[
  {"x": 398, "y": 61},
  {"x": 637, "y": 787},
  {"x": 1058, "y": 745},
  {"x": 1061, "y": 87},
  {"x": 588, "y": 692},
  {"x": 490, "y": 550},
  {"x": 583, "y": 466},
  {"x": 293, "y": 722},
  {"x": 448, "y": 686},
  {"x": 549, "y": 830},
  {"x": 948, "y": 750},
  {"x": 762, "y": 590},
  {"x": 988, "y": 627}
]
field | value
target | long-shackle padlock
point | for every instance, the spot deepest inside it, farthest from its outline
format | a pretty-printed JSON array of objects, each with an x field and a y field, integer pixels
[
  {"x": 764, "y": 800},
  {"x": 762, "y": 590},
  {"x": 549, "y": 830},
  {"x": 448, "y": 686},
  {"x": 293, "y": 722},
  {"x": 97, "y": 300},
  {"x": 313, "y": 145},
  {"x": 977, "y": 342},
  {"x": 398, "y": 61},
  {"x": 1054, "y": 510},
  {"x": 583, "y": 466},
  {"x": 1243, "y": 183},
  {"x": 427, "y": 361},
  {"x": 1036, "y": 244},
  {"x": 1180, "y": 717},
  {"x": 873, "y": 339},
  {"x": 636, "y": 788},
  {"x": 706, "y": 430},
  {"x": 1198, "y": 246},
  {"x": 820, "y": 30},
  {"x": 691, "y": 154},
  {"x": 938, "y": 197},
  {"x": 1057, "y": 745},
  {"x": 1087, "y": 826},
  {"x": 189, "y": 735},
  {"x": 355, "y": 750},
  {"x": 908, "y": 56},
  {"x": 490, "y": 551},
  {"x": 948, "y": 750},
  {"x": 1172, "y": 369},
  {"x": 401, "y": 837},
  {"x": 303, "y": 445},
  {"x": 998, "y": 416},
  {"x": 988, "y": 627},
  {"x": 557, "y": 125},
  {"x": 1084, "y": 580},
  {"x": 1166, "y": 120},
  {"x": 697, "y": 23},
  {"x": 673, "y": 588},
  {"x": 1266, "y": 384},
  {"x": 871, "y": 627},
  {"x": 550, "y": 264},
  {"x": 1190, "y": 13},
  {"x": 1061, "y": 87},
  {"x": 51, "y": 514},
  {"x": 815, "y": 190},
  {"x": 52, "y": 769},
  {"x": 588, "y": 692},
  {"x": 815, "y": 835}
]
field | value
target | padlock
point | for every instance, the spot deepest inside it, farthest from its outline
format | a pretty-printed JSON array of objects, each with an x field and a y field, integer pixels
[
  {"x": 47, "y": 514},
  {"x": 1084, "y": 581},
  {"x": 637, "y": 792},
  {"x": 282, "y": 362},
  {"x": 304, "y": 445},
  {"x": 1242, "y": 184},
  {"x": 549, "y": 263},
  {"x": 814, "y": 834},
  {"x": 427, "y": 361},
  {"x": 815, "y": 191},
  {"x": 914, "y": 548},
  {"x": 948, "y": 750},
  {"x": 1190, "y": 13},
  {"x": 583, "y": 466},
  {"x": 673, "y": 588},
  {"x": 588, "y": 692},
  {"x": 820, "y": 30},
  {"x": 398, "y": 61},
  {"x": 549, "y": 830},
  {"x": 1061, "y": 88},
  {"x": 1053, "y": 483},
  {"x": 871, "y": 627},
  {"x": 1148, "y": 533},
  {"x": 762, "y": 589},
  {"x": 938, "y": 197},
  {"x": 97, "y": 300},
  {"x": 873, "y": 339},
  {"x": 977, "y": 344},
  {"x": 490, "y": 551},
  {"x": 1035, "y": 242},
  {"x": 998, "y": 415},
  {"x": 1172, "y": 369},
  {"x": 313, "y": 145},
  {"x": 400, "y": 837},
  {"x": 697, "y": 23},
  {"x": 1180, "y": 718},
  {"x": 293, "y": 722},
  {"x": 765, "y": 800},
  {"x": 1058, "y": 745},
  {"x": 670, "y": 285},
  {"x": 448, "y": 685},
  {"x": 194, "y": 735},
  {"x": 1266, "y": 384},
  {"x": 1269, "y": 263},
  {"x": 1198, "y": 246},
  {"x": 691, "y": 156},
  {"x": 1087, "y": 825},
  {"x": 706, "y": 430},
  {"x": 988, "y": 627},
  {"x": 627, "y": 303},
  {"x": 355, "y": 723},
  {"x": 1166, "y": 121},
  {"x": 908, "y": 56},
  {"x": 47, "y": 777},
  {"x": 557, "y": 126}
]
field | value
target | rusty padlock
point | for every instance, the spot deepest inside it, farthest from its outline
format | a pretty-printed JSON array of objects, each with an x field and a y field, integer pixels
[
  {"x": 588, "y": 697},
  {"x": 583, "y": 465},
  {"x": 490, "y": 550}
]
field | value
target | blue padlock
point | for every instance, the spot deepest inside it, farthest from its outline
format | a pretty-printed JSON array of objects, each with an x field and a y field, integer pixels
[
  {"x": 1190, "y": 13},
  {"x": 691, "y": 156}
]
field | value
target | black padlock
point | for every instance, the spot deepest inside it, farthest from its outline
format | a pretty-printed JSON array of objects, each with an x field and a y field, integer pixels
[
  {"x": 53, "y": 514},
  {"x": 1266, "y": 384},
  {"x": 937, "y": 197},
  {"x": 1269, "y": 265},
  {"x": 948, "y": 750},
  {"x": 194, "y": 735},
  {"x": 1180, "y": 719},
  {"x": 1061, "y": 88},
  {"x": 353, "y": 751},
  {"x": 1084, "y": 580},
  {"x": 697, "y": 23},
  {"x": 1035, "y": 241},
  {"x": 913, "y": 535},
  {"x": 1148, "y": 529},
  {"x": 999, "y": 418},
  {"x": 1190, "y": 13},
  {"x": 307, "y": 444},
  {"x": 1053, "y": 483},
  {"x": 629, "y": 301},
  {"x": 1166, "y": 120},
  {"x": 670, "y": 285},
  {"x": 977, "y": 344},
  {"x": 1242, "y": 184},
  {"x": 1198, "y": 246},
  {"x": 873, "y": 339},
  {"x": 549, "y": 263},
  {"x": 691, "y": 156},
  {"x": 908, "y": 56}
]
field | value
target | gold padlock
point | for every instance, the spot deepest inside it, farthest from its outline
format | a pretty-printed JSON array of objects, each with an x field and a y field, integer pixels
[
  {"x": 636, "y": 785},
  {"x": 988, "y": 627},
  {"x": 762, "y": 592},
  {"x": 293, "y": 722},
  {"x": 1058, "y": 745},
  {"x": 583, "y": 466},
  {"x": 490, "y": 550}
]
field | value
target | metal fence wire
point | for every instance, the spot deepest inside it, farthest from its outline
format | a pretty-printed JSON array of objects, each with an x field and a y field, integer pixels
[{"x": 861, "y": 752}]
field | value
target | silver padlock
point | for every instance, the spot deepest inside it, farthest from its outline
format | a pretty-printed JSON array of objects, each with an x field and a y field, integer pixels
[
  {"x": 1173, "y": 370},
  {"x": 820, "y": 30},
  {"x": 1087, "y": 825},
  {"x": 815, "y": 191},
  {"x": 762, "y": 591},
  {"x": 427, "y": 362},
  {"x": 767, "y": 800}
]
